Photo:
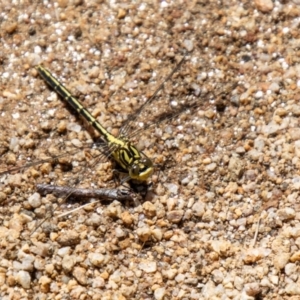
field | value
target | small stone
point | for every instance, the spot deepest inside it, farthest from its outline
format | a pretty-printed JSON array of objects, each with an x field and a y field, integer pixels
[
  {"x": 295, "y": 257},
  {"x": 149, "y": 209},
  {"x": 264, "y": 6},
  {"x": 10, "y": 27},
  {"x": 175, "y": 216},
  {"x": 240, "y": 150},
  {"x": 274, "y": 279},
  {"x": 235, "y": 167},
  {"x": 123, "y": 244},
  {"x": 157, "y": 234},
  {"x": 35, "y": 200},
  {"x": 44, "y": 282},
  {"x": 252, "y": 289},
  {"x": 144, "y": 233},
  {"x": 64, "y": 251},
  {"x": 198, "y": 209},
  {"x": 254, "y": 154},
  {"x": 127, "y": 218},
  {"x": 41, "y": 249},
  {"x": 170, "y": 273},
  {"x": 16, "y": 223},
  {"x": 290, "y": 269},
  {"x": 2, "y": 278},
  {"x": 95, "y": 220},
  {"x": 27, "y": 262},
  {"x": 281, "y": 260},
  {"x": 148, "y": 266},
  {"x": 217, "y": 276},
  {"x": 15, "y": 180},
  {"x": 173, "y": 188},
  {"x": 292, "y": 288},
  {"x": 94, "y": 72},
  {"x": 11, "y": 280},
  {"x": 120, "y": 233},
  {"x": 24, "y": 279},
  {"x": 98, "y": 282},
  {"x": 294, "y": 133},
  {"x": 121, "y": 13},
  {"x": 96, "y": 259},
  {"x": 274, "y": 87},
  {"x": 68, "y": 238},
  {"x": 80, "y": 275},
  {"x": 253, "y": 255},
  {"x": 39, "y": 264},
  {"x": 159, "y": 294},
  {"x": 49, "y": 268},
  {"x": 295, "y": 110},
  {"x": 113, "y": 210},
  {"x": 211, "y": 167},
  {"x": 221, "y": 247},
  {"x": 188, "y": 44},
  {"x": 61, "y": 127},
  {"x": 68, "y": 263},
  {"x": 239, "y": 283},
  {"x": 210, "y": 114},
  {"x": 286, "y": 213},
  {"x": 281, "y": 112},
  {"x": 281, "y": 245},
  {"x": 179, "y": 278},
  {"x": 2, "y": 197}
]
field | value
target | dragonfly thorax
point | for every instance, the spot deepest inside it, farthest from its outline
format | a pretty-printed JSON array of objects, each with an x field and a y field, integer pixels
[{"x": 130, "y": 159}]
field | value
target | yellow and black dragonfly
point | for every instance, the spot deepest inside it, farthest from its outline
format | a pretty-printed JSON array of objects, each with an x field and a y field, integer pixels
[{"x": 132, "y": 162}]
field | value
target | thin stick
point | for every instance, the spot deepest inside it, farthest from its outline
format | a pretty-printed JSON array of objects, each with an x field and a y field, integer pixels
[
  {"x": 256, "y": 233},
  {"x": 105, "y": 194}
]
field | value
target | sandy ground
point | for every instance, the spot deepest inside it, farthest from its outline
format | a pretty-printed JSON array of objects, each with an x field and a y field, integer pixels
[{"x": 222, "y": 218}]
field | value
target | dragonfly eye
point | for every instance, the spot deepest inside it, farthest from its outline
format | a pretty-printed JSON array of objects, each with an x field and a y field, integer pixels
[
  {"x": 147, "y": 162},
  {"x": 135, "y": 170}
]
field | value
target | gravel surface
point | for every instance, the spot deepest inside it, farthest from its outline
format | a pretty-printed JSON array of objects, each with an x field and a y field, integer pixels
[{"x": 222, "y": 218}]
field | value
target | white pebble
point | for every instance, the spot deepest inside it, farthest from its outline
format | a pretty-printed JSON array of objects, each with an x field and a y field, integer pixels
[
  {"x": 173, "y": 188},
  {"x": 148, "y": 266},
  {"x": 188, "y": 44},
  {"x": 160, "y": 293},
  {"x": 24, "y": 279},
  {"x": 64, "y": 251},
  {"x": 35, "y": 200},
  {"x": 258, "y": 94},
  {"x": 96, "y": 259},
  {"x": 198, "y": 209},
  {"x": 74, "y": 127}
]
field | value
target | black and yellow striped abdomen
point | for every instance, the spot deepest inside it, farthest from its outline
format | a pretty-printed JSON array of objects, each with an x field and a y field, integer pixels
[{"x": 138, "y": 166}]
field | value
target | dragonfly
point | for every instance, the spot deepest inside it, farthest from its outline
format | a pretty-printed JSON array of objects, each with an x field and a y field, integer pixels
[{"x": 132, "y": 162}]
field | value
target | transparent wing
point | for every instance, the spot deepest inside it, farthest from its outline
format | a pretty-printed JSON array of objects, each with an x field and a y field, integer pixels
[{"x": 147, "y": 114}]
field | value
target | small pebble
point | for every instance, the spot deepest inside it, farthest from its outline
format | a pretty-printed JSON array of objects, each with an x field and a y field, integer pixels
[
  {"x": 149, "y": 209},
  {"x": 68, "y": 238},
  {"x": 198, "y": 209},
  {"x": 159, "y": 294},
  {"x": 148, "y": 266},
  {"x": 68, "y": 263},
  {"x": 264, "y": 6},
  {"x": 80, "y": 275},
  {"x": 175, "y": 216},
  {"x": 24, "y": 279},
  {"x": 44, "y": 283},
  {"x": 252, "y": 289},
  {"x": 96, "y": 259},
  {"x": 35, "y": 200},
  {"x": 94, "y": 220}
]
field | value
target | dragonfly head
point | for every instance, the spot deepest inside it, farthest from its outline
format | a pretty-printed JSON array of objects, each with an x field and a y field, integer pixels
[{"x": 141, "y": 169}]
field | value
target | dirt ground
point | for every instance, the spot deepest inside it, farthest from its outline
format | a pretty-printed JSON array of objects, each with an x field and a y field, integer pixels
[{"x": 221, "y": 217}]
